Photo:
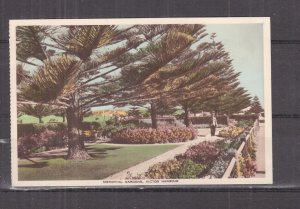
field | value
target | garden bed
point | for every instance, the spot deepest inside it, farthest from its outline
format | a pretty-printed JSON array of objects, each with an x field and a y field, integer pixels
[
  {"x": 152, "y": 136},
  {"x": 210, "y": 160}
]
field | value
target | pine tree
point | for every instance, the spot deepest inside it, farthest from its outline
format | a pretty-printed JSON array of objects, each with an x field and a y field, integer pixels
[
  {"x": 76, "y": 74},
  {"x": 255, "y": 106}
]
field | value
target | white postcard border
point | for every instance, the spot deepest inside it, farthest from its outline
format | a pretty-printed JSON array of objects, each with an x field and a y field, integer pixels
[{"x": 265, "y": 21}]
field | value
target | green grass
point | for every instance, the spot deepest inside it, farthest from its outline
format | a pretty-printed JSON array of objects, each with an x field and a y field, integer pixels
[
  {"x": 107, "y": 160},
  {"x": 95, "y": 118},
  {"x": 26, "y": 119}
]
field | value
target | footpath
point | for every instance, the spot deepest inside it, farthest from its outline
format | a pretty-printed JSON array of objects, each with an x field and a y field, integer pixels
[{"x": 260, "y": 153}]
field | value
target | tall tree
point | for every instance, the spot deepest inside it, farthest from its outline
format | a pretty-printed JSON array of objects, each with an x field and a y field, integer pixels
[
  {"x": 255, "y": 106},
  {"x": 76, "y": 75}
]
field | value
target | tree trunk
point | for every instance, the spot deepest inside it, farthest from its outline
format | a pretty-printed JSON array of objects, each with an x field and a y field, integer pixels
[
  {"x": 40, "y": 119},
  {"x": 187, "y": 120},
  {"x": 76, "y": 148},
  {"x": 153, "y": 115},
  {"x": 63, "y": 118}
]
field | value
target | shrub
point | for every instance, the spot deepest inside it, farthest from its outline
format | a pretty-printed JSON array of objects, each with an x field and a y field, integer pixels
[
  {"x": 204, "y": 152},
  {"x": 109, "y": 130},
  {"x": 245, "y": 123},
  {"x": 244, "y": 117},
  {"x": 231, "y": 132},
  {"x": 206, "y": 120},
  {"x": 164, "y": 170},
  {"x": 37, "y": 137},
  {"x": 175, "y": 169},
  {"x": 30, "y": 129},
  {"x": 28, "y": 144},
  {"x": 190, "y": 170},
  {"x": 150, "y": 136}
]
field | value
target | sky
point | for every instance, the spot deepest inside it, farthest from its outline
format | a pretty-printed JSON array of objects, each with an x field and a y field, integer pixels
[{"x": 244, "y": 42}]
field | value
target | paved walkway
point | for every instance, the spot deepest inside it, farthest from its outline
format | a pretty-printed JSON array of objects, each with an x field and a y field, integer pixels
[
  {"x": 260, "y": 154},
  {"x": 143, "y": 167}
]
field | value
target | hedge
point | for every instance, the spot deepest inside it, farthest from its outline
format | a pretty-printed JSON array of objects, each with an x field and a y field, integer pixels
[{"x": 206, "y": 120}]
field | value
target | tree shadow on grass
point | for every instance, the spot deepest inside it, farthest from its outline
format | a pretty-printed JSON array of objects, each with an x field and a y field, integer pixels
[
  {"x": 95, "y": 153},
  {"x": 35, "y": 165},
  {"x": 101, "y": 150}
]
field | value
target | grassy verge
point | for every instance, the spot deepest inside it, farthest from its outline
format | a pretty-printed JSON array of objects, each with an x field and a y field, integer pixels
[{"x": 107, "y": 160}]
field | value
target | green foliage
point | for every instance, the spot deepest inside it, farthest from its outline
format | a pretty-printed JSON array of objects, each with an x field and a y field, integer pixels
[
  {"x": 190, "y": 170},
  {"x": 82, "y": 40},
  {"x": 164, "y": 170},
  {"x": 175, "y": 169},
  {"x": 55, "y": 78},
  {"x": 135, "y": 112},
  {"x": 255, "y": 106},
  {"x": 110, "y": 129},
  {"x": 29, "y": 42},
  {"x": 245, "y": 123},
  {"x": 231, "y": 132}
]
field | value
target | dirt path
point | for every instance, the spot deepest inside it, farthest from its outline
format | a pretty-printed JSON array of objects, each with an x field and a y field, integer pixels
[
  {"x": 260, "y": 154},
  {"x": 143, "y": 166}
]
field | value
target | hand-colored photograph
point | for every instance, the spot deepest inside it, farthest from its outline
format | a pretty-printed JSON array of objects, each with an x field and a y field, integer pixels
[{"x": 125, "y": 102}]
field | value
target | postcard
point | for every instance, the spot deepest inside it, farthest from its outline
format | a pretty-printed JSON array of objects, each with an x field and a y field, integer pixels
[{"x": 140, "y": 102}]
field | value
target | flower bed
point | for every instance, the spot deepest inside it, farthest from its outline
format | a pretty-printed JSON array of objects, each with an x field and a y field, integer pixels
[
  {"x": 194, "y": 163},
  {"x": 203, "y": 159},
  {"x": 231, "y": 132},
  {"x": 209, "y": 160},
  {"x": 151, "y": 136},
  {"x": 245, "y": 162}
]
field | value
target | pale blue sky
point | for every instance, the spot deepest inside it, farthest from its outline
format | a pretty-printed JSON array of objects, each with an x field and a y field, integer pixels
[{"x": 245, "y": 45}]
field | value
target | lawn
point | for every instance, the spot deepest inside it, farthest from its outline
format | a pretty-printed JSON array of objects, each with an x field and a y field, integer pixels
[
  {"x": 97, "y": 118},
  {"x": 26, "y": 119},
  {"x": 107, "y": 160}
]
